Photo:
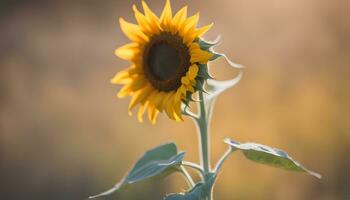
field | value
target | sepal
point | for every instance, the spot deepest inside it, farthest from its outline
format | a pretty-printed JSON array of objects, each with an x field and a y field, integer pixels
[
  {"x": 216, "y": 87},
  {"x": 230, "y": 62},
  {"x": 204, "y": 72},
  {"x": 207, "y": 45}
]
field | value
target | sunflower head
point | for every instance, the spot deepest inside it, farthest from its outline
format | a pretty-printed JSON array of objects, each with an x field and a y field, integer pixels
[{"x": 166, "y": 56}]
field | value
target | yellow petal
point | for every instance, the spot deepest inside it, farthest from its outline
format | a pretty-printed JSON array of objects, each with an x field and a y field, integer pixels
[
  {"x": 180, "y": 16},
  {"x": 138, "y": 83},
  {"x": 178, "y": 95},
  {"x": 153, "y": 97},
  {"x": 177, "y": 109},
  {"x": 135, "y": 83},
  {"x": 151, "y": 111},
  {"x": 194, "y": 83},
  {"x": 141, "y": 111},
  {"x": 152, "y": 18},
  {"x": 128, "y": 51},
  {"x": 191, "y": 89},
  {"x": 152, "y": 114},
  {"x": 121, "y": 78},
  {"x": 183, "y": 90},
  {"x": 134, "y": 69},
  {"x": 133, "y": 32},
  {"x": 190, "y": 24},
  {"x": 192, "y": 72},
  {"x": 179, "y": 19},
  {"x": 124, "y": 77},
  {"x": 142, "y": 22},
  {"x": 170, "y": 109},
  {"x": 166, "y": 17},
  {"x": 190, "y": 37},
  {"x": 154, "y": 117},
  {"x": 125, "y": 91},
  {"x": 198, "y": 55},
  {"x": 194, "y": 46},
  {"x": 201, "y": 31},
  {"x": 165, "y": 104},
  {"x": 139, "y": 96},
  {"x": 157, "y": 100},
  {"x": 185, "y": 80}
]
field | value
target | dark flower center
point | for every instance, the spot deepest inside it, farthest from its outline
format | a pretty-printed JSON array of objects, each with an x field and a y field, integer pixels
[{"x": 165, "y": 60}]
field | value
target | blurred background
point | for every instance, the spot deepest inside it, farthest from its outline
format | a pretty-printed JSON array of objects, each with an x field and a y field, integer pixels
[{"x": 64, "y": 134}]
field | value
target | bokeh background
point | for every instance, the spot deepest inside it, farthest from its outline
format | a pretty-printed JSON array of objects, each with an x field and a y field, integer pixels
[{"x": 64, "y": 134}]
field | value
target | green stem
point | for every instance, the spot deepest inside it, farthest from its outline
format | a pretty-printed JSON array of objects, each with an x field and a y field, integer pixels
[{"x": 202, "y": 125}]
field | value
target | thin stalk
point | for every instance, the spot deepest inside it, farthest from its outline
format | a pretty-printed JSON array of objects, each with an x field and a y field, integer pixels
[
  {"x": 222, "y": 160},
  {"x": 198, "y": 168},
  {"x": 188, "y": 177}
]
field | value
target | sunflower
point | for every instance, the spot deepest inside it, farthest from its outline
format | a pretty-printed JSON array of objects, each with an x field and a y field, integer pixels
[{"x": 166, "y": 57}]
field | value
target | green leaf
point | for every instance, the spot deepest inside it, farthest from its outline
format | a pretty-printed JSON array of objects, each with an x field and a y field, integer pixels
[
  {"x": 270, "y": 156},
  {"x": 157, "y": 162},
  {"x": 200, "y": 191}
]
